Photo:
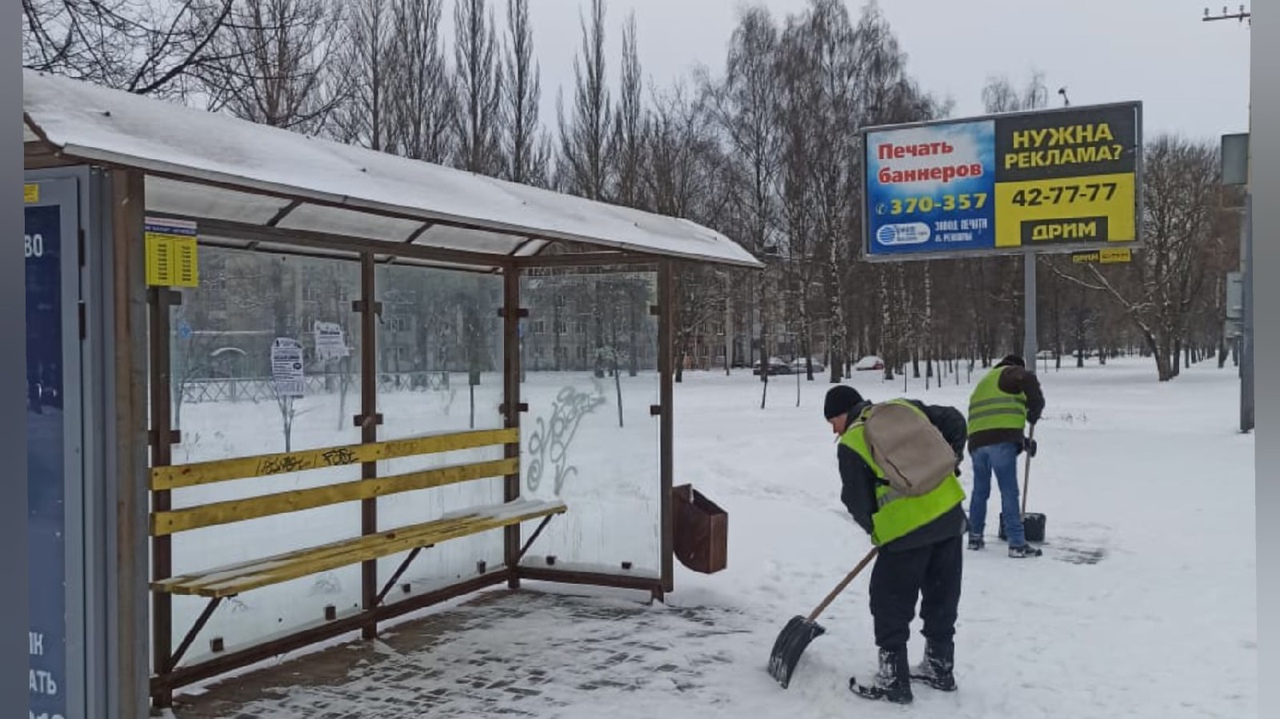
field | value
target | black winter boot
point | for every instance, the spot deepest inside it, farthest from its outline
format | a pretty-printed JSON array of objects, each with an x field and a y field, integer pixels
[
  {"x": 1025, "y": 550},
  {"x": 892, "y": 683},
  {"x": 935, "y": 669}
]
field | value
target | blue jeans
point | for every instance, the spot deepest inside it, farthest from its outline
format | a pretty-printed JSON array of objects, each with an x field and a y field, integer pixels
[{"x": 1001, "y": 459}]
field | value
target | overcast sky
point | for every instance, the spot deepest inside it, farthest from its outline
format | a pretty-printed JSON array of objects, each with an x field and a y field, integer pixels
[{"x": 1191, "y": 75}]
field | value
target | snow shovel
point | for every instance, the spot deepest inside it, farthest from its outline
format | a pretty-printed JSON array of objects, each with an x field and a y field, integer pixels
[
  {"x": 1032, "y": 524},
  {"x": 800, "y": 631}
]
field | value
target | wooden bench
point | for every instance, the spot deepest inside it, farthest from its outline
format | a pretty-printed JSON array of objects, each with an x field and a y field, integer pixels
[{"x": 219, "y": 583}]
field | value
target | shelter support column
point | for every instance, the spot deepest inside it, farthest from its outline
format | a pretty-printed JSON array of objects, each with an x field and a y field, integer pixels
[
  {"x": 511, "y": 408},
  {"x": 666, "y": 430},
  {"x": 368, "y": 421},
  {"x": 160, "y": 438},
  {"x": 126, "y": 398}
]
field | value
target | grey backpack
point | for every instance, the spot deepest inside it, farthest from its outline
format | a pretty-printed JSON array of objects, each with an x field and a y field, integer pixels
[{"x": 909, "y": 449}]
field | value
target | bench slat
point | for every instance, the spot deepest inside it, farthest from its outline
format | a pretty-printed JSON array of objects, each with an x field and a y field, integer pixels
[
  {"x": 306, "y": 564},
  {"x": 191, "y": 475},
  {"x": 332, "y": 549},
  {"x": 208, "y": 515},
  {"x": 237, "y": 578}
]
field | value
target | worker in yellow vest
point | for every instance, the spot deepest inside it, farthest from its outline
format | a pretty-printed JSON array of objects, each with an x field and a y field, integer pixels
[
  {"x": 1005, "y": 401},
  {"x": 921, "y": 549}
]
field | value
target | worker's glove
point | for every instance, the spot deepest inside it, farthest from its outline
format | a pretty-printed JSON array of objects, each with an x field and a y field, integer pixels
[{"x": 1029, "y": 445}]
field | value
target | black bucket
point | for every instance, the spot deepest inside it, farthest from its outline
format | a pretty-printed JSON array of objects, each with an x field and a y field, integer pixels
[{"x": 1032, "y": 525}]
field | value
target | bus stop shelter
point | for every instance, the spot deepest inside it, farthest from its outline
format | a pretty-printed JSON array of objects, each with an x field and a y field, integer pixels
[{"x": 283, "y": 389}]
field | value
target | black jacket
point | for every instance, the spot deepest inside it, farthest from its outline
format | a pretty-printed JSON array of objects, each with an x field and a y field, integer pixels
[{"x": 859, "y": 492}]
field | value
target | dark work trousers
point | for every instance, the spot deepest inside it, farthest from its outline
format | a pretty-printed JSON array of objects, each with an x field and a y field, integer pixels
[{"x": 899, "y": 578}]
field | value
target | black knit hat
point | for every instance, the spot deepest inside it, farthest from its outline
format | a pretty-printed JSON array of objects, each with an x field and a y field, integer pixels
[
  {"x": 1013, "y": 360},
  {"x": 840, "y": 400}
]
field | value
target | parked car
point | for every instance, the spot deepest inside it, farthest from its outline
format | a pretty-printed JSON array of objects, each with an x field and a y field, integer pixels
[
  {"x": 798, "y": 365},
  {"x": 776, "y": 366},
  {"x": 868, "y": 364}
]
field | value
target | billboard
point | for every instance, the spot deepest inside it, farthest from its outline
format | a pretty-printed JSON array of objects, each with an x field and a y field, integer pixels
[{"x": 1062, "y": 180}]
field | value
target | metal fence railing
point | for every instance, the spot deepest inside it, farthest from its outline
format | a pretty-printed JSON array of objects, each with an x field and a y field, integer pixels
[{"x": 260, "y": 389}]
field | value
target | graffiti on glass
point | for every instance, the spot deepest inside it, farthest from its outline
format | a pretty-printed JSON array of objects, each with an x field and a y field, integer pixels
[{"x": 550, "y": 440}]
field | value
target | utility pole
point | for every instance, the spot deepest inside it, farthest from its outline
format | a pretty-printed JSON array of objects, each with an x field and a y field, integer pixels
[
  {"x": 1246, "y": 258},
  {"x": 1241, "y": 16}
]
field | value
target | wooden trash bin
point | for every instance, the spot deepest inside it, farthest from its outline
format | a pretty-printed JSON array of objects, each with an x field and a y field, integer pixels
[{"x": 702, "y": 531}]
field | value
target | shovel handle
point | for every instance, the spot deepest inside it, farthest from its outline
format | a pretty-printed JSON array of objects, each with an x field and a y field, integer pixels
[
  {"x": 1026, "y": 475},
  {"x": 843, "y": 583}
]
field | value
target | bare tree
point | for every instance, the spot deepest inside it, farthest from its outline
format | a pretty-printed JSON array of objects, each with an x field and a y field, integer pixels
[
  {"x": 683, "y": 173},
  {"x": 276, "y": 67},
  {"x": 744, "y": 109},
  {"x": 1182, "y": 222},
  {"x": 288, "y": 414},
  {"x": 146, "y": 47},
  {"x": 478, "y": 80},
  {"x": 526, "y": 155},
  {"x": 629, "y": 120},
  {"x": 1000, "y": 94},
  {"x": 585, "y": 141},
  {"x": 820, "y": 56},
  {"x": 887, "y": 94},
  {"x": 424, "y": 100},
  {"x": 768, "y": 154},
  {"x": 364, "y": 116},
  {"x": 835, "y": 54},
  {"x": 798, "y": 118},
  {"x": 858, "y": 76}
]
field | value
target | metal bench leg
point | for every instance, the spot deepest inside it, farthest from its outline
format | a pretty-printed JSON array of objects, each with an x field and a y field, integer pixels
[
  {"x": 191, "y": 635},
  {"x": 399, "y": 571},
  {"x": 541, "y": 525}
]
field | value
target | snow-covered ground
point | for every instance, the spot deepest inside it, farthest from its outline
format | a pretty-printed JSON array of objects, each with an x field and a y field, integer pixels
[
  {"x": 1143, "y": 605},
  {"x": 1154, "y": 477}
]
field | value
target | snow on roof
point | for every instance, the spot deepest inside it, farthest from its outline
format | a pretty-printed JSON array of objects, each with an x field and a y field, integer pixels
[{"x": 215, "y": 166}]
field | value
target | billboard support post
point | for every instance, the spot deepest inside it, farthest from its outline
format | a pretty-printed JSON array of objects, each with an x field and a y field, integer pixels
[{"x": 1029, "y": 329}]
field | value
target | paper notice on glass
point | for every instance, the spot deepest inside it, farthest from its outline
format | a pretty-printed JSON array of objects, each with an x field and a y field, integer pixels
[
  {"x": 286, "y": 367},
  {"x": 331, "y": 341}
]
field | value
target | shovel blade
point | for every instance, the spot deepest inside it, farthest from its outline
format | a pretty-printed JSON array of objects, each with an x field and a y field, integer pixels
[{"x": 791, "y": 643}]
